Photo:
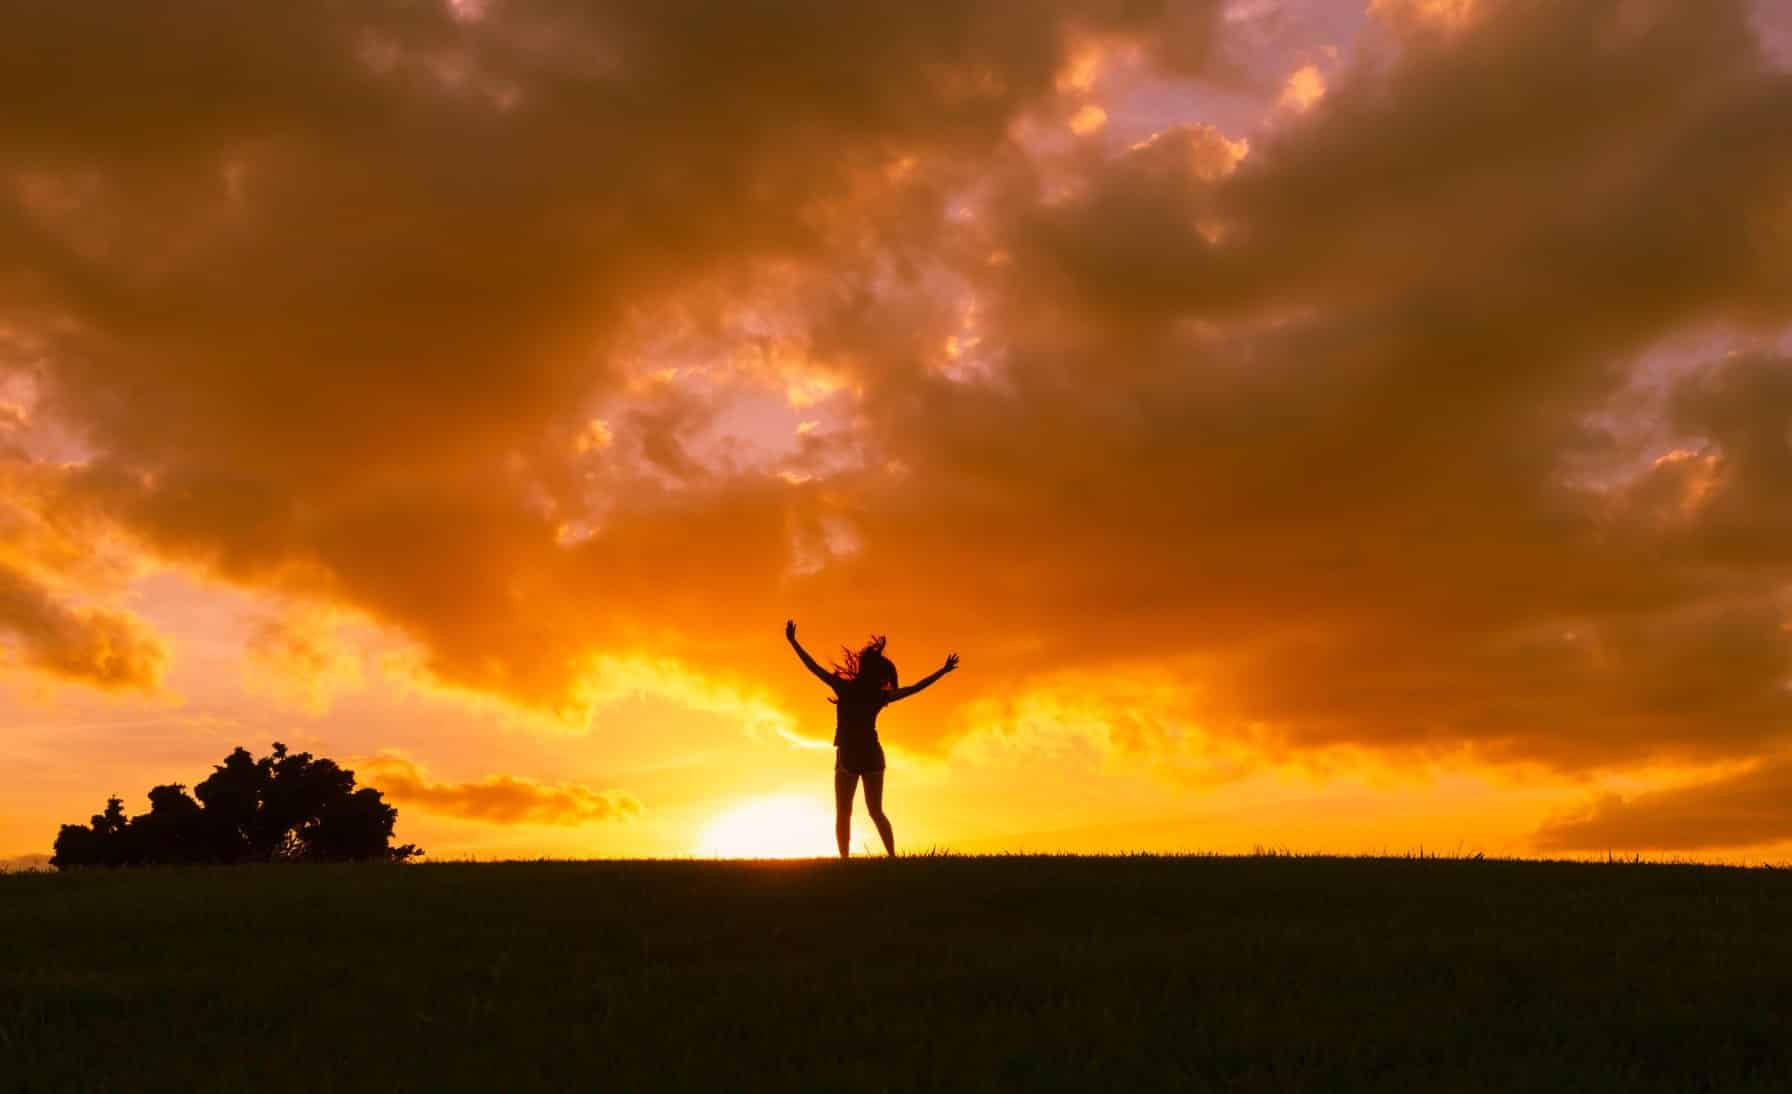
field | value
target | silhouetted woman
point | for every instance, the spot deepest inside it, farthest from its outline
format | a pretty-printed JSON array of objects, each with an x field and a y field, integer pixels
[{"x": 862, "y": 687}]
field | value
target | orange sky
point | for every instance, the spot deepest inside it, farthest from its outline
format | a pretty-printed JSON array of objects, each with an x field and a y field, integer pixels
[{"x": 1327, "y": 425}]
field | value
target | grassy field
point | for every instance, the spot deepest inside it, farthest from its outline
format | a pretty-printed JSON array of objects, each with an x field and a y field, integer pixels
[{"x": 1236, "y": 974}]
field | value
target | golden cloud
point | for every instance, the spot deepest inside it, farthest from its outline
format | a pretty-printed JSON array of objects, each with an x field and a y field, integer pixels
[
  {"x": 1304, "y": 87},
  {"x": 112, "y": 651},
  {"x": 495, "y": 799},
  {"x": 302, "y": 661},
  {"x": 1087, "y": 120}
]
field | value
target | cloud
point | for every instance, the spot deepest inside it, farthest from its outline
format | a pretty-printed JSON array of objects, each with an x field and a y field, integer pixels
[
  {"x": 1087, "y": 120},
  {"x": 112, "y": 651},
  {"x": 376, "y": 268},
  {"x": 1355, "y": 422},
  {"x": 1750, "y": 809},
  {"x": 1305, "y": 86},
  {"x": 1411, "y": 15},
  {"x": 302, "y": 661},
  {"x": 495, "y": 799},
  {"x": 1330, "y": 425}
]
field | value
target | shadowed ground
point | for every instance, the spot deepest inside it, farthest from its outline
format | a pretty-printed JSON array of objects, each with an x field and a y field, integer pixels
[{"x": 1253, "y": 974}]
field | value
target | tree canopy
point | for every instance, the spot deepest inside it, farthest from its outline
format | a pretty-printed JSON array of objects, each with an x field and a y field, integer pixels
[{"x": 283, "y": 807}]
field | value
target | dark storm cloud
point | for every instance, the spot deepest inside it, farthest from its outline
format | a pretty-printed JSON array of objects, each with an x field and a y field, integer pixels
[
  {"x": 1745, "y": 810},
  {"x": 1347, "y": 432},
  {"x": 1327, "y": 424},
  {"x": 318, "y": 286}
]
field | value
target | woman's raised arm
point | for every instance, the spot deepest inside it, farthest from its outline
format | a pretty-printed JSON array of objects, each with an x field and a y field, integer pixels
[
  {"x": 925, "y": 681},
  {"x": 809, "y": 663}
]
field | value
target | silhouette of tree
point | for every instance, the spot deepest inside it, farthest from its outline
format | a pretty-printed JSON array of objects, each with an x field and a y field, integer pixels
[{"x": 283, "y": 807}]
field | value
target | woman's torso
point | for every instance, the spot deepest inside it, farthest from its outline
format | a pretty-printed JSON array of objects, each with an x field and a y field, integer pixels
[{"x": 855, "y": 721}]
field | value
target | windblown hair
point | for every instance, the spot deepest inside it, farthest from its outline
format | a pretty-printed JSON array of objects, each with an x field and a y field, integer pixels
[{"x": 867, "y": 671}]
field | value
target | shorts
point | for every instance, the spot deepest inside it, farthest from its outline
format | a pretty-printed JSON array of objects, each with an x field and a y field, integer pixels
[{"x": 859, "y": 759}]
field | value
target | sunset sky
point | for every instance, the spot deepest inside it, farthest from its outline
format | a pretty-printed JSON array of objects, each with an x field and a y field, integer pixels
[{"x": 1339, "y": 425}]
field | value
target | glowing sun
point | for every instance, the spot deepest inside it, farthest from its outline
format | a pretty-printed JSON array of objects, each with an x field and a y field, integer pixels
[{"x": 781, "y": 826}]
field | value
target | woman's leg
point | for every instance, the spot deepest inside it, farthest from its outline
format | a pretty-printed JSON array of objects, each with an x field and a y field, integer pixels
[
  {"x": 874, "y": 801},
  {"x": 845, "y": 785}
]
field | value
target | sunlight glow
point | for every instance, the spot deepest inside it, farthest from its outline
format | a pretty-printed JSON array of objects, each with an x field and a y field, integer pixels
[{"x": 782, "y": 826}]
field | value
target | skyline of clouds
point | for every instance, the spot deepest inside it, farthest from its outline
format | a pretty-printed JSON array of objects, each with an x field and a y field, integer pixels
[
  {"x": 496, "y": 799},
  {"x": 1435, "y": 407}
]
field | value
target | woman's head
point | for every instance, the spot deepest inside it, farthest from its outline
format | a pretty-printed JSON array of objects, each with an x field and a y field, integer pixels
[{"x": 868, "y": 670}]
